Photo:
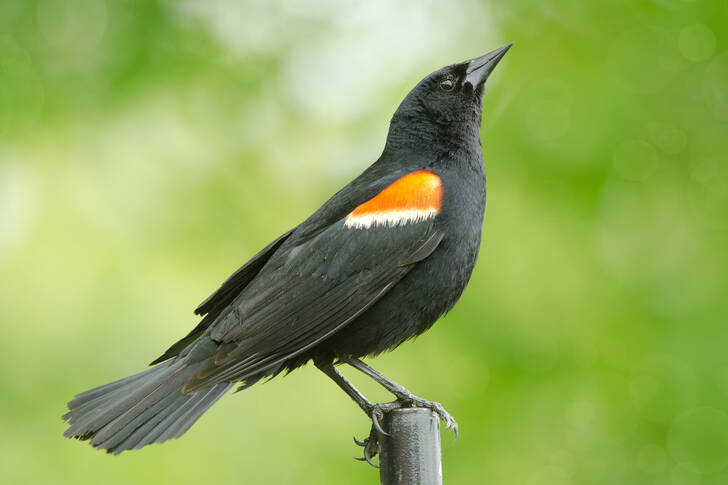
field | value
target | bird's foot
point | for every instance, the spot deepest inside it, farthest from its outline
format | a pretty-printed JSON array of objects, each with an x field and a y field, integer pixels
[
  {"x": 404, "y": 400},
  {"x": 408, "y": 399},
  {"x": 371, "y": 442},
  {"x": 371, "y": 447}
]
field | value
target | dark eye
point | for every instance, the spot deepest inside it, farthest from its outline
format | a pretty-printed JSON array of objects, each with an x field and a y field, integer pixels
[{"x": 447, "y": 84}]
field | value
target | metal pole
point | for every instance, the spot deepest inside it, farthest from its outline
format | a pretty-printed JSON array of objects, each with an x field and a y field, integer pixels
[{"x": 410, "y": 455}]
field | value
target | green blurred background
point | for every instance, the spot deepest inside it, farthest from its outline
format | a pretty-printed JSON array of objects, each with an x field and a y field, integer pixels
[{"x": 149, "y": 148}]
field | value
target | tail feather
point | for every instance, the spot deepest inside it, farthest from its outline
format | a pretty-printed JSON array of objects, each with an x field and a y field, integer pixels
[
  {"x": 145, "y": 408},
  {"x": 122, "y": 441},
  {"x": 84, "y": 405},
  {"x": 174, "y": 425},
  {"x": 96, "y": 392},
  {"x": 136, "y": 403},
  {"x": 96, "y": 413}
]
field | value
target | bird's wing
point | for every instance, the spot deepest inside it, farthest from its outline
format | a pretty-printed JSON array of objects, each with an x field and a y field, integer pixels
[
  {"x": 224, "y": 296},
  {"x": 307, "y": 292},
  {"x": 232, "y": 286},
  {"x": 365, "y": 186}
]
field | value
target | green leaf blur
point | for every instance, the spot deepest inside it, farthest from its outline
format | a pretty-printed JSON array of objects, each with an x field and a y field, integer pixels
[{"x": 148, "y": 148}]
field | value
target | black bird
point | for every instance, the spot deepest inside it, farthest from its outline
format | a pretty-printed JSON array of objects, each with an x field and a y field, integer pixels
[{"x": 377, "y": 264}]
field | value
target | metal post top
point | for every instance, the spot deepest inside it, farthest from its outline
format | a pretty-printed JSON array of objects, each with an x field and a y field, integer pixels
[
  {"x": 410, "y": 453},
  {"x": 413, "y": 411}
]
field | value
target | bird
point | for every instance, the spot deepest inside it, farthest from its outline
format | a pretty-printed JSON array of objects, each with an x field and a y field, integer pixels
[{"x": 376, "y": 265}]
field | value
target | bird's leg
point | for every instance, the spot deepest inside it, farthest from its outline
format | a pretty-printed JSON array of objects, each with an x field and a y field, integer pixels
[
  {"x": 403, "y": 395},
  {"x": 374, "y": 411}
]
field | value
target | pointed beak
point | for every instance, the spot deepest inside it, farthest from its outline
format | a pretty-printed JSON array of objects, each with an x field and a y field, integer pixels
[{"x": 480, "y": 68}]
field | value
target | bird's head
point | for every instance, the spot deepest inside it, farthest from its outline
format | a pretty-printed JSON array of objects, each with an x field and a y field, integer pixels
[{"x": 450, "y": 99}]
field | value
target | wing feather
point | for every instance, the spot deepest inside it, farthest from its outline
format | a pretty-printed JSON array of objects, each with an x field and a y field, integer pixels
[
  {"x": 306, "y": 294},
  {"x": 224, "y": 296}
]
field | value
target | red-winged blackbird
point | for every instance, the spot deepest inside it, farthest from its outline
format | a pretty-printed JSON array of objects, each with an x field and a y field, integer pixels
[{"x": 377, "y": 264}]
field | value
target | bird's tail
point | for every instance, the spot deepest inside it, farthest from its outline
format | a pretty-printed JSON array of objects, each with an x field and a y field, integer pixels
[{"x": 145, "y": 408}]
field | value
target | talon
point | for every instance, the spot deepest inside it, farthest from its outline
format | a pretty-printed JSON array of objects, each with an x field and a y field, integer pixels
[
  {"x": 375, "y": 421},
  {"x": 376, "y": 412},
  {"x": 367, "y": 452},
  {"x": 371, "y": 443},
  {"x": 414, "y": 401}
]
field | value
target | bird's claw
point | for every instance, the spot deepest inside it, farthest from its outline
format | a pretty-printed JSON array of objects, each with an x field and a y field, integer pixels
[
  {"x": 371, "y": 447},
  {"x": 377, "y": 415},
  {"x": 371, "y": 443},
  {"x": 436, "y": 408}
]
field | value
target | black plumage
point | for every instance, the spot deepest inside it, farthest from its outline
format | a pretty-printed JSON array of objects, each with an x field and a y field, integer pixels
[{"x": 328, "y": 290}]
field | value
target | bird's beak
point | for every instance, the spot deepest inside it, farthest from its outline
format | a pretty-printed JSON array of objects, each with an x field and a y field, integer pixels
[{"x": 480, "y": 68}]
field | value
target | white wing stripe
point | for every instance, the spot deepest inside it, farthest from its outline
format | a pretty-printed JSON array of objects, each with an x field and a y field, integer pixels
[{"x": 388, "y": 218}]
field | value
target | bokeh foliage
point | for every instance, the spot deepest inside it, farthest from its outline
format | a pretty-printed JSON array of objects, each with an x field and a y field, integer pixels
[{"x": 148, "y": 148}]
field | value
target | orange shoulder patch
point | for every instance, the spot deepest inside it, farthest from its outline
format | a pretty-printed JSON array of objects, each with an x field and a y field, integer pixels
[{"x": 412, "y": 198}]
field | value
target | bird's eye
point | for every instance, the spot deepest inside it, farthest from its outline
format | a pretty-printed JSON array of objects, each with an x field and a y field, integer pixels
[{"x": 447, "y": 84}]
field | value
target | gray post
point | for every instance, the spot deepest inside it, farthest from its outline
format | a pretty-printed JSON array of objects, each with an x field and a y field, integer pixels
[{"x": 410, "y": 455}]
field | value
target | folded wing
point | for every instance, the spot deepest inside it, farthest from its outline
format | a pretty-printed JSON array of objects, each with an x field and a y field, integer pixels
[{"x": 308, "y": 292}]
